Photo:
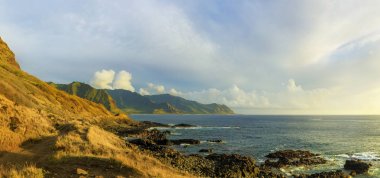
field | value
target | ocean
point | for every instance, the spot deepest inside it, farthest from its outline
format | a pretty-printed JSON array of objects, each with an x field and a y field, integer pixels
[{"x": 336, "y": 138}]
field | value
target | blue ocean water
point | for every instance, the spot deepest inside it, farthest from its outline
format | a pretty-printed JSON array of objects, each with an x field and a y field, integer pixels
[{"x": 336, "y": 138}]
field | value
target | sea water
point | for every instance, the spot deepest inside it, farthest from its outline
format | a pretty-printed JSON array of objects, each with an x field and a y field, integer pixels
[{"x": 336, "y": 138}]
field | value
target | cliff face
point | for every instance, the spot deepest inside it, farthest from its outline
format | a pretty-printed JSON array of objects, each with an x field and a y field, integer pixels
[{"x": 7, "y": 55}]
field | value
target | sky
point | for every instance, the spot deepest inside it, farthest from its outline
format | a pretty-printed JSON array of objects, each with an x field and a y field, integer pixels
[{"x": 258, "y": 57}]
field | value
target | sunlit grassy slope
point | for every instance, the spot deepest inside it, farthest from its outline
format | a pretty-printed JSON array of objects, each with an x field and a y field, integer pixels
[{"x": 47, "y": 132}]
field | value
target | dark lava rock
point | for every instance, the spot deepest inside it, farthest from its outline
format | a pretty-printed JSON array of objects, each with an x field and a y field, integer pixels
[
  {"x": 291, "y": 154},
  {"x": 234, "y": 165},
  {"x": 331, "y": 174},
  {"x": 184, "y": 125},
  {"x": 148, "y": 124},
  {"x": 215, "y": 141},
  {"x": 185, "y": 141},
  {"x": 206, "y": 150},
  {"x": 147, "y": 144},
  {"x": 294, "y": 158},
  {"x": 358, "y": 166},
  {"x": 166, "y": 132},
  {"x": 155, "y": 135}
]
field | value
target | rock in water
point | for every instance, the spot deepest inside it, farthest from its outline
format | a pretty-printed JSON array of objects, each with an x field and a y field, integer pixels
[
  {"x": 185, "y": 141},
  {"x": 358, "y": 166},
  {"x": 184, "y": 125},
  {"x": 234, "y": 165},
  {"x": 205, "y": 150},
  {"x": 293, "y": 158},
  {"x": 332, "y": 174},
  {"x": 215, "y": 141}
]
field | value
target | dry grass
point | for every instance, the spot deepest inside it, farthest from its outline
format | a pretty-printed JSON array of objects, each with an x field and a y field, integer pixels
[
  {"x": 66, "y": 131},
  {"x": 19, "y": 123},
  {"x": 98, "y": 143},
  {"x": 28, "y": 171}
]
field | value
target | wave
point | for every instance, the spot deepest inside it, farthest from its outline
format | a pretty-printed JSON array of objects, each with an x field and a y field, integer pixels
[
  {"x": 364, "y": 156},
  {"x": 191, "y": 128}
]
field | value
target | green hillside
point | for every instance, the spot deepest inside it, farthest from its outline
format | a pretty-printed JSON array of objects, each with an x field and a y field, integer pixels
[
  {"x": 132, "y": 102},
  {"x": 87, "y": 92},
  {"x": 192, "y": 107}
]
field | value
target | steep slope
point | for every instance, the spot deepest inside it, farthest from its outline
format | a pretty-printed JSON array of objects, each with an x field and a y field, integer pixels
[
  {"x": 7, "y": 55},
  {"x": 132, "y": 102},
  {"x": 87, "y": 92},
  {"x": 42, "y": 127},
  {"x": 188, "y": 106}
]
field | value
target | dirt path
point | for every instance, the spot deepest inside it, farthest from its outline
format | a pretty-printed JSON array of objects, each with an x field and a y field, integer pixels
[
  {"x": 39, "y": 153},
  {"x": 31, "y": 152}
]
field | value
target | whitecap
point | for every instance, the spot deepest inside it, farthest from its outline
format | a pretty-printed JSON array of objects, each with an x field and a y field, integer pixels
[
  {"x": 343, "y": 155},
  {"x": 175, "y": 133},
  {"x": 366, "y": 156},
  {"x": 184, "y": 144}
]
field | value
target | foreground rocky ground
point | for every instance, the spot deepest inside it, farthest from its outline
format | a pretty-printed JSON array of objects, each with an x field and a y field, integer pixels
[{"x": 156, "y": 143}]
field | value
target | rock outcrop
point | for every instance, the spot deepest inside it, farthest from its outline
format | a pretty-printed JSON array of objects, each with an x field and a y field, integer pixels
[
  {"x": 332, "y": 174},
  {"x": 358, "y": 166},
  {"x": 293, "y": 158}
]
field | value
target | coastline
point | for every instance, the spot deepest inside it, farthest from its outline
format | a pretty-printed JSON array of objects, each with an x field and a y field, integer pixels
[
  {"x": 155, "y": 143},
  {"x": 258, "y": 162}
]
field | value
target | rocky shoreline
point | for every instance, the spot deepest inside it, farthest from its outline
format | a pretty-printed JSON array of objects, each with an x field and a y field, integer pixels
[{"x": 154, "y": 142}]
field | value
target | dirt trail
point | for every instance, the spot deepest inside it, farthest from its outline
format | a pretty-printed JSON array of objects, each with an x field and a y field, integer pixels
[
  {"x": 39, "y": 153},
  {"x": 31, "y": 152}
]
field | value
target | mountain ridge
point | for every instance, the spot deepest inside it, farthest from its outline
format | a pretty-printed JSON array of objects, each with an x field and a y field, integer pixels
[{"x": 135, "y": 103}]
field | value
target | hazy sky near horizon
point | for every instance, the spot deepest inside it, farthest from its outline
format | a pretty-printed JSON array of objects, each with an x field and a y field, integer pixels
[{"x": 258, "y": 57}]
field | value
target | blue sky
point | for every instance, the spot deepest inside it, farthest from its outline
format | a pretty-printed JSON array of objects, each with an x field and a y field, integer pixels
[{"x": 259, "y": 57}]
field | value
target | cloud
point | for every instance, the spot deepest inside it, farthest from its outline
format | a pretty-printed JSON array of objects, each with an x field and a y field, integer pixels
[
  {"x": 143, "y": 91},
  {"x": 155, "y": 89},
  {"x": 123, "y": 81},
  {"x": 293, "y": 87},
  {"x": 319, "y": 43},
  {"x": 175, "y": 92},
  {"x": 103, "y": 79}
]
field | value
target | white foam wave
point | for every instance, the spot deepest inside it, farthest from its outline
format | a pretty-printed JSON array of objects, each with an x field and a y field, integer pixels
[
  {"x": 184, "y": 144},
  {"x": 175, "y": 133},
  {"x": 366, "y": 156},
  {"x": 191, "y": 128},
  {"x": 343, "y": 156},
  {"x": 201, "y": 127}
]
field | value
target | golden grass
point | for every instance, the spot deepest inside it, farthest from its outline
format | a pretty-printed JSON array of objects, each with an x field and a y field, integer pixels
[
  {"x": 28, "y": 171},
  {"x": 30, "y": 109},
  {"x": 98, "y": 143}
]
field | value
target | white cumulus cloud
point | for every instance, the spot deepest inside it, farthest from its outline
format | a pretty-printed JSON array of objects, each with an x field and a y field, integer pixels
[
  {"x": 103, "y": 79},
  {"x": 143, "y": 91},
  {"x": 123, "y": 81}
]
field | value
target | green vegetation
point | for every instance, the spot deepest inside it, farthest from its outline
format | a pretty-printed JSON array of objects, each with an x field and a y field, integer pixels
[
  {"x": 134, "y": 103},
  {"x": 191, "y": 107},
  {"x": 87, "y": 92}
]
